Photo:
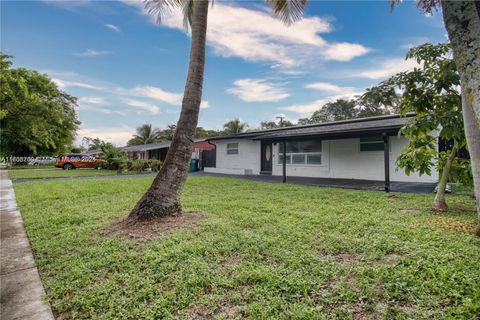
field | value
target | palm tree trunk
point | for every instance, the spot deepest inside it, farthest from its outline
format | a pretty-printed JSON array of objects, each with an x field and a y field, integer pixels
[
  {"x": 163, "y": 197},
  {"x": 462, "y": 20},
  {"x": 439, "y": 204}
]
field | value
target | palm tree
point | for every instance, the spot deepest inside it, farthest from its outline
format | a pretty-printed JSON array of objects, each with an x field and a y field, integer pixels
[
  {"x": 163, "y": 197},
  {"x": 234, "y": 126},
  {"x": 145, "y": 135}
]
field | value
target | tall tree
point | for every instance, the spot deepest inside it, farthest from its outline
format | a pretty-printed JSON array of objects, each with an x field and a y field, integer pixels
[
  {"x": 431, "y": 91},
  {"x": 462, "y": 21},
  {"x": 234, "y": 126},
  {"x": 145, "y": 134},
  {"x": 282, "y": 123},
  {"x": 37, "y": 118},
  {"x": 163, "y": 196}
]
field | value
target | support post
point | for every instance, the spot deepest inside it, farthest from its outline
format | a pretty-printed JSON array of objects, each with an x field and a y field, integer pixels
[
  {"x": 284, "y": 162},
  {"x": 386, "y": 160}
]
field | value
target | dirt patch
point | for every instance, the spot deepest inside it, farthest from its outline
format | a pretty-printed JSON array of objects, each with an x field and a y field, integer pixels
[
  {"x": 345, "y": 258},
  {"x": 392, "y": 196},
  {"x": 224, "y": 310},
  {"x": 148, "y": 229},
  {"x": 452, "y": 224},
  {"x": 388, "y": 260},
  {"x": 198, "y": 312},
  {"x": 227, "y": 310},
  {"x": 231, "y": 261}
]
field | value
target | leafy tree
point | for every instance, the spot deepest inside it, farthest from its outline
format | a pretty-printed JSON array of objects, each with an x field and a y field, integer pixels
[
  {"x": 432, "y": 93},
  {"x": 368, "y": 105},
  {"x": 168, "y": 133},
  {"x": 145, "y": 134},
  {"x": 203, "y": 133},
  {"x": 115, "y": 158},
  {"x": 462, "y": 21},
  {"x": 163, "y": 196},
  {"x": 37, "y": 118},
  {"x": 92, "y": 143},
  {"x": 377, "y": 101},
  {"x": 282, "y": 123},
  {"x": 234, "y": 126}
]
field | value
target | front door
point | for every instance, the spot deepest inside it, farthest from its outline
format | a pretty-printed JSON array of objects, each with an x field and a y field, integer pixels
[{"x": 266, "y": 157}]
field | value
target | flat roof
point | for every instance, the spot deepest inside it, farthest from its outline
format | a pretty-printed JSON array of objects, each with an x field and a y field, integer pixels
[
  {"x": 146, "y": 147},
  {"x": 372, "y": 125}
]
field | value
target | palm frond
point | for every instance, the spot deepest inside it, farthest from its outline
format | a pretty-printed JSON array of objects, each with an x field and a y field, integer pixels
[
  {"x": 288, "y": 11},
  {"x": 160, "y": 8}
]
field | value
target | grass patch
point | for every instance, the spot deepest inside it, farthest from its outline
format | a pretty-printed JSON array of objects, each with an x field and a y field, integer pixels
[
  {"x": 262, "y": 251},
  {"x": 42, "y": 173}
]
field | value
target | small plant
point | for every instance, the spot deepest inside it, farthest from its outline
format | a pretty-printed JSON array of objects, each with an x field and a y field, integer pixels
[
  {"x": 138, "y": 165},
  {"x": 155, "y": 165}
]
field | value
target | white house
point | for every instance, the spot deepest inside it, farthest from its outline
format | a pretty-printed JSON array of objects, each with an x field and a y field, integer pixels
[{"x": 363, "y": 149}]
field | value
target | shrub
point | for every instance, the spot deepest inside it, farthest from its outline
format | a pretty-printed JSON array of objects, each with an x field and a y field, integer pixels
[
  {"x": 154, "y": 165},
  {"x": 115, "y": 158},
  {"x": 138, "y": 165}
]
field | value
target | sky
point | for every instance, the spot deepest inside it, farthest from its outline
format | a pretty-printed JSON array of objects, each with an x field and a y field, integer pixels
[{"x": 126, "y": 69}]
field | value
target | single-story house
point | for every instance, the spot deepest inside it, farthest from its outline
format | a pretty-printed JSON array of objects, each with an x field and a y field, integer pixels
[
  {"x": 159, "y": 151},
  {"x": 363, "y": 149}
]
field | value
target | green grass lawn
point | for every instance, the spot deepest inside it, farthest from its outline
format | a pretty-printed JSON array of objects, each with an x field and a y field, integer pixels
[
  {"x": 41, "y": 173},
  {"x": 263, "y": 251}
]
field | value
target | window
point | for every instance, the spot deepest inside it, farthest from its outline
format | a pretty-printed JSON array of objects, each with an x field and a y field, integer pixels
[
  {"x": 232, "y": 148},
  {"x": 371, "y": 143},
  {"x": 307, "y": 152}
]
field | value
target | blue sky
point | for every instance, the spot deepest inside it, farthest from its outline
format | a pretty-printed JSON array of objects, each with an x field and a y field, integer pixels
[{"x": 127, "y": 70}]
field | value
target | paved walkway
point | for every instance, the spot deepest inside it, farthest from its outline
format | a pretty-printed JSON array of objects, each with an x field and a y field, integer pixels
[
  {"x": 409, "y": 187},
  {"x": 395, "y": 186},
  {"x": 21, "y": 290}
]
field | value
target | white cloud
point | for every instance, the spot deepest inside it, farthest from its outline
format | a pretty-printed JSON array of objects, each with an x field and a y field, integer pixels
[
  {"x": 251, "y": 90},
  {"x": 163, "y": 96},
  {"x": 308, "y": 108},
  {"x": 112, "y": 27},
  {"x": 83, "y": 107},
  {"x": 386, "y": 68},
  {"x": 204, "y": 104},
  {"x": 70, "y": 79},
  {"x": 92, "y": 53},
  {"x": 66, "y": 83},
  {"x": 117, "y": 136},
  {"x": 153, "y": 109},
  {"x": 330, "y": 88},
  {"x": 344, "y": 51},
  {"x": 158, "y": 94},
  {"x": 94, "y": 100},
  {"x": 255, "y": 35}
]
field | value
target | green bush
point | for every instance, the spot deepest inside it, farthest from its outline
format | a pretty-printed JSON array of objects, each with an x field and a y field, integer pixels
[
  {"x": 115, "y": 158},
  {"x": 154, "y": 165},
  {"x": 138, "y": 165}
]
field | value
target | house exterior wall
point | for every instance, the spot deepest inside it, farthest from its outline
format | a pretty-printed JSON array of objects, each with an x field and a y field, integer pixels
[
  {"x": 340, "y": 159},
  {"x": 247, "y": 161}
]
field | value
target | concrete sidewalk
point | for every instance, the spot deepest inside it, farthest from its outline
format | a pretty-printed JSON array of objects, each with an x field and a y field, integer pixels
[{"x": 21, "y": 291}]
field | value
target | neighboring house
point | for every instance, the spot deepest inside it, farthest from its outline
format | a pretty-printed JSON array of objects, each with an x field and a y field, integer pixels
[
  {"x": 94, "y": 153},
  {"x": 350, "y": 149},
  {"x": 159, "y": 151}
]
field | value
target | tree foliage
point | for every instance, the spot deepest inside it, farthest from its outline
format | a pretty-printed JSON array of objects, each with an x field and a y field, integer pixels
[
  {"x": 345, "y": 109},
  {"x": 282, "y": 123},
  {"x": 432, "y": 92},
  {"x": 145, "y": 134},
  {"x": 37, "y": 118},
  {"x": 234, "y": 126}
]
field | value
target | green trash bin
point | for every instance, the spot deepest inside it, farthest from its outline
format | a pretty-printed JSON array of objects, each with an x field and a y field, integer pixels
[{"x": 191, "y": 168}]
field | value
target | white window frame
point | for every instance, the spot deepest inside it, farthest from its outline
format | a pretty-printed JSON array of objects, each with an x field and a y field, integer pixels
[
  {"x": 290, "y": 156},
  {"x": 229, "y": 150},
  {"x": 370, "y": 142}
]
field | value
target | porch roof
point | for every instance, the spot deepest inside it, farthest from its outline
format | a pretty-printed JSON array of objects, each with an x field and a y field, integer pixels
[
  {"x": 146, "y": 147},
  {"x": 389, "y": 124}
]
